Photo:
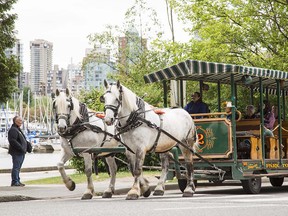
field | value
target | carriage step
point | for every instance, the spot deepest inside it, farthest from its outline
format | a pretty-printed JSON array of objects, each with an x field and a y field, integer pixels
[
  {"x": 98, "y": 150},
  {"x": 265, "y": 174},
  {"x": 211, "y": 172}
]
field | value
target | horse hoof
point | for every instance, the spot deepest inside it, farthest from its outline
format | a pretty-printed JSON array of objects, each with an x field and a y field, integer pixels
[
  {"x": 72, "y": 187},
  {"x": 132, "y": 197},
  {"x": 158, "y": 193},
  {"x": 107, "y": 195},
  {"x": 147, "y": 193},
  {"x": 87, "y": 196},
  {"x": 187, "y": 194}
]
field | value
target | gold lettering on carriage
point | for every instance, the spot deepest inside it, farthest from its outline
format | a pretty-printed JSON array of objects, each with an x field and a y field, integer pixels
[
  {"x": 252, "y": 166},
  {"x": 285, "y": 165},
  {"x": 272, "y": 165}
]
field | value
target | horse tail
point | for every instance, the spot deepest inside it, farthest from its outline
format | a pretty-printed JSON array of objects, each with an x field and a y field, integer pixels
[{"x": 196, "y": 145}]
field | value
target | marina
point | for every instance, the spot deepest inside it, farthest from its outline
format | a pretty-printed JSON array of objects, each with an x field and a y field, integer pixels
[
  {"x": 32, "y": 160},
  {"x": 36, "y": 133},
  {"x": 6, "y": 119}
]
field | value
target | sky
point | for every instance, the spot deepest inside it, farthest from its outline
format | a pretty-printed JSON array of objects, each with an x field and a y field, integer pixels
[{"x": 67, "y": 23}]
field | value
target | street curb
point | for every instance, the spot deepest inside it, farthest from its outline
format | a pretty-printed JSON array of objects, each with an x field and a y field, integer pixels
[
  {"x": 34, "y": 169},
  {"x": 16, "y": 198}
]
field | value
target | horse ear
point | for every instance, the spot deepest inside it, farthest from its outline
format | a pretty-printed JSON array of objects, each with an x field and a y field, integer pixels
[
  {"x": 67, "y": 92},
  {"x": 118, "y": 84},
  {"x": 106, "y": 84},
  {"x": 57, "y": 92}
]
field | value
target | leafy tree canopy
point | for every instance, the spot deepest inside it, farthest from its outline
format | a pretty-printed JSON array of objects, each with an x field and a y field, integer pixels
[
  {"x": 9, "y": 67},
  {"x": 237, "y": 31}
]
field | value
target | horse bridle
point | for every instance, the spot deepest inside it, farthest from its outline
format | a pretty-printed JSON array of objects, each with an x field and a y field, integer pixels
[
  {"x": 65, "y": 116},
  {"x": 114, "y": 108}
]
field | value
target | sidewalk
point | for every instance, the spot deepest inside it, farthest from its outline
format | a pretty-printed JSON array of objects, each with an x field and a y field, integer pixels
[{"x": 32, "y": 192}]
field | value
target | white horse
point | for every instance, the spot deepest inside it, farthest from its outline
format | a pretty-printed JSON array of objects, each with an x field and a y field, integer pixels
[
  {"x": 79, "y": 129},
  {"x": 141, "y": 129}
]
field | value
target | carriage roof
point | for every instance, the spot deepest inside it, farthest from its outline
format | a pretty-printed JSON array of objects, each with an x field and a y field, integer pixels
[{"x": 219, "y": 72}]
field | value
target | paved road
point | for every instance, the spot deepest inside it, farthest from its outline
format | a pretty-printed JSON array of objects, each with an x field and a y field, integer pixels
[{"x": 226, "y": 200}]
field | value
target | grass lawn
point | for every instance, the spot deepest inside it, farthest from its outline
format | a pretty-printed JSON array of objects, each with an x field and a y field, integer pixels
[{"x": 81, "y": 177}]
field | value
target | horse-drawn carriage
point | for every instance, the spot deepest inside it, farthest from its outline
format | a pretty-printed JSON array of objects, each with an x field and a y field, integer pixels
[
  {"x": 218, "y": 155},
  {"x": 140, "y": 129}
]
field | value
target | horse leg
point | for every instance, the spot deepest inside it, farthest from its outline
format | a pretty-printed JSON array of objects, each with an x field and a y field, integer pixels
[
  {"x": 190, "y": 187},
  {"x": 60, "y": 165},
  {"x": 144, "y": 183},
  {"x": 134, "y": 192},
  {"x": 112, "y": 169},
  {"x": 144, "y": 186},
  {"x": 88, "y": 194},
  {"x": 159, "y": 190}
]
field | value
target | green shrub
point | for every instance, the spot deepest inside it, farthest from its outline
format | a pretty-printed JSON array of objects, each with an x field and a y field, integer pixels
[{"x": 77, "y": 163}]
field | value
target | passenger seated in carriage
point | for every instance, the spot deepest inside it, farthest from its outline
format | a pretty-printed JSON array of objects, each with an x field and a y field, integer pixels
[
  {"x": 250, "y": 112},
  {"x": 269, "y": 118},
  {"x": 196, "y": 105},
  {"x": 228, "y": 111}
]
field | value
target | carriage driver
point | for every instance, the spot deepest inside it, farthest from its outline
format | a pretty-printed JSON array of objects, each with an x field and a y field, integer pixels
[{"x": 196, "y": 105}]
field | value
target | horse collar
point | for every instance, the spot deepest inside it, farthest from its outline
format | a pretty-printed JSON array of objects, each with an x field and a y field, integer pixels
[
  {"x": 77, "y": 126},
  {"x": 133, "y": 119}
]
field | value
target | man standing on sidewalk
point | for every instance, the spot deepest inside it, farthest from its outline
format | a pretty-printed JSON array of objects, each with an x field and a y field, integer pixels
[{"x": 18, "y": 146}]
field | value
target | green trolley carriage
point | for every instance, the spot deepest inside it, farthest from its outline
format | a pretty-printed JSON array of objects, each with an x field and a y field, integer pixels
[{"x": 218, "y": 155}]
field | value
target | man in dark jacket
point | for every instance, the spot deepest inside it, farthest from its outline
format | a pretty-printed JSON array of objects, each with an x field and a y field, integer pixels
[
  {"x": 196, "y": 105},
  {"x": 18, "y": 146}
]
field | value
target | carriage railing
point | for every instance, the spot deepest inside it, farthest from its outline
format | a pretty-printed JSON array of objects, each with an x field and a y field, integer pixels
[{"x": 209, "y": 114}]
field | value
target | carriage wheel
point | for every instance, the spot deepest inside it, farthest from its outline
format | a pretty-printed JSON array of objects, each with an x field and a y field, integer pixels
[
  {"x": 252, "y": 186},
  {"x": 276, "y": 182},
  {"x": 182, "y": 183}
]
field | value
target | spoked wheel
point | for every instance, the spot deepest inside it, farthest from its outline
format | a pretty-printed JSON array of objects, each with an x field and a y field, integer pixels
[
  {"x": 276, "y": 182},
  {"x": 252, "y": 186},
  {"x": 182, "y": 183}
]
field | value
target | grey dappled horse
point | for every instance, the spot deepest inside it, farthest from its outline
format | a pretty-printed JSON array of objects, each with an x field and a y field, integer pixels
[
  {"x": 78, "y": 128},
  {"x": 137, "y": 125}
]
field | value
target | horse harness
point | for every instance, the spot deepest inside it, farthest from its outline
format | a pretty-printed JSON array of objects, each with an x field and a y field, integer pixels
[
  {"x": 136, "y": 119},
  {"x": 80, "y": 125}
]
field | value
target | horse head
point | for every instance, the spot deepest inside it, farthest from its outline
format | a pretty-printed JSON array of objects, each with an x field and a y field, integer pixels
[
  {"x": 63, "y": 106},
  {"x": 112, "y": 98}
]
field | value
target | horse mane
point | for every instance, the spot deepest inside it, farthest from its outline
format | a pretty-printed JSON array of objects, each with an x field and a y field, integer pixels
[
  {"x": 130, "y": 98},
  {"x": 61, "y": 101}
]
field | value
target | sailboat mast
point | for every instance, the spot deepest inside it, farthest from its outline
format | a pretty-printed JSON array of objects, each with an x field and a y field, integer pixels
[
  {"x": 28, "y": 104},
  {"x": 35, "y": 117}
]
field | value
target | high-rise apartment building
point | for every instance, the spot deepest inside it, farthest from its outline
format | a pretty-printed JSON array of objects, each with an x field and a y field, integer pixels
[
  {"x": 56, "y": 79},
  {"x": 130, "y": 47},
  {"x": 17, "y": 51},
  {"x": 75, "y": 78},
  {"x": 98, "y": 66},
  {"x": 40, "y": 64}
]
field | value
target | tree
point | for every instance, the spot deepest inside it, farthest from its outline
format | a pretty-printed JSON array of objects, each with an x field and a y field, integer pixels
[
  {"x": 26, "y": 94},
  {"x": 138, "y": 60},
  {"x": 237, "y": 31},
  {"x": 9, "y": 67}
]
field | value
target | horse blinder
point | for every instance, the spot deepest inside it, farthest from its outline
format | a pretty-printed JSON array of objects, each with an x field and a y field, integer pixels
[
  {"x": 102, "y": 99},
  {"x": 54, "y": 110},
  {"x": 71, "y": 104}
]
